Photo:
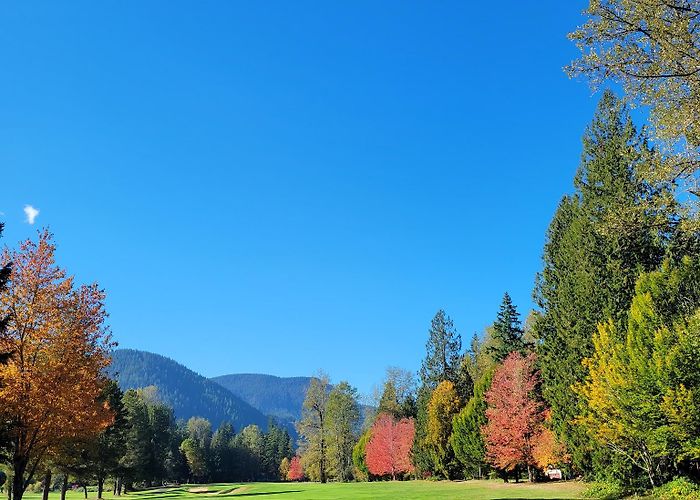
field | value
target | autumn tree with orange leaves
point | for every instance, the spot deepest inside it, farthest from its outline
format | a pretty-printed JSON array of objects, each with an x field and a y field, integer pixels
[
  {"x": 389, "y": 448},
  {"x": 59, "y": 345},
  {"x": 515, "y": 415}
]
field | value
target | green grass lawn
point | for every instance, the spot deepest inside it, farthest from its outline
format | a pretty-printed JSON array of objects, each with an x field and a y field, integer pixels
[{"x": 476, "y": 490}]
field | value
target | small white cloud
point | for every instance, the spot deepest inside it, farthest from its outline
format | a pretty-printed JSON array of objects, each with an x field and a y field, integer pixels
[{"x": 31, "y": 213}]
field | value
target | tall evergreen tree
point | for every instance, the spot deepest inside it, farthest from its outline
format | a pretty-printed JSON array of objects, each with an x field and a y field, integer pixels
[
  {"x": 507, "y": 331},
  {"x": 443, "y": 362},
  {"x": 467, "y": 439},
  {"x": 443, "y": 352},
  {"x": 589, "y": 273}
]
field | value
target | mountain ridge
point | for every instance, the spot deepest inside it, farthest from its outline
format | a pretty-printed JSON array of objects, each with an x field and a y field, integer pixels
[{"x": 189, "y": 393}]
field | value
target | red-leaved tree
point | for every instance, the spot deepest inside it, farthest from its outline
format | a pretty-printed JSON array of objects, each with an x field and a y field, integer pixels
[
  {"x": 514, "y": 414},
  {"x": 296, "y": 471},
  {"x": 389, "y": 448}
]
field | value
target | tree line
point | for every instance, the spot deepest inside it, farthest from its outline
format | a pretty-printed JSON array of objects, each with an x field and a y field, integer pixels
[
  {"x": 602, "y": 380},
  {"x": 63, "y": 420}
]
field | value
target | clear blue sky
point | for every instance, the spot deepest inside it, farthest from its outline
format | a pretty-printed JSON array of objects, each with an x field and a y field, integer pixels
[{"x": 284, "y": 186}]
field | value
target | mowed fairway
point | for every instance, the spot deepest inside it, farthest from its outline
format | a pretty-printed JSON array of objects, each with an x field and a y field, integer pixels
[{"x": 476, "y": 490}]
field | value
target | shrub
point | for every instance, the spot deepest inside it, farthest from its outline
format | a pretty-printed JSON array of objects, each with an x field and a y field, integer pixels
[
  {"x": 678, "y": 489},
  {"x": 605, "y": 490}
]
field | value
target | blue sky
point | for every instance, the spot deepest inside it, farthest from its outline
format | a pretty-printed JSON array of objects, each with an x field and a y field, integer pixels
[{"x": 280, "y": 187}]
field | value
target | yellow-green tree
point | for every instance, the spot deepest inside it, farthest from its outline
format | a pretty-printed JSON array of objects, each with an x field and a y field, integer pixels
[
  {"x": 444, "y": 404},
  {"x": 59, "y": 345},
  {"x": 652, "y": 49},
  {"x": 643, "y": 385}
]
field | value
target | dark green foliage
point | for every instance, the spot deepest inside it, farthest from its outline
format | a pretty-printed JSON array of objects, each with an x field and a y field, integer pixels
[
  {"x": 589, "y": 273},
  {"x": 277, "y": 444},
  {"x": 507, "y": 331},
  {"x": 110, "y": 443},
  {"x": 421, "y": 455},
  {"x": 222, "y": 453},
  {"x": 467, "y": 441},
  {"x": 443, "y": 361},
  {"x": 188, "y": 393},
  {"x": 443, "y": 352},
  {"x": 136, "y": 459}
]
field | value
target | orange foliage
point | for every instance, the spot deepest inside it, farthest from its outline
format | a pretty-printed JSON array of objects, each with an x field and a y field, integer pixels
[
  {"x": 59, "y": 347},
  {"x": 389, "y": 448},
  {"x": 296, "y": 471}
]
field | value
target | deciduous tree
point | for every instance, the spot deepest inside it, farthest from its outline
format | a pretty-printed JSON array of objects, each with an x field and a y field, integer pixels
[
  {"x": 343, "y": 416},
  {"x": 443, "y": 406},
  {"x": 51, "y": 385},
  {"x": 652, "y": 49},
  {"x": 643, "y": 384},
  {"x": 296, "y": 471},
  {"x": 313, "y": 428},
  {"x": 514, "y": 414},
  {"x": 389, "y": 447}
]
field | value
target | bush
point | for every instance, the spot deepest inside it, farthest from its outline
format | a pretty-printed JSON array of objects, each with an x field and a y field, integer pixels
[
  {"x": 678, "y": 489},
  {"x": 606, "y": 490}
]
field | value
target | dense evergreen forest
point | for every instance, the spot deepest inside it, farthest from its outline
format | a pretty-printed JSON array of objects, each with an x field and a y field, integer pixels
[
  {"x": 186, "y": 392},
  {"x": 601, "y": 381}
]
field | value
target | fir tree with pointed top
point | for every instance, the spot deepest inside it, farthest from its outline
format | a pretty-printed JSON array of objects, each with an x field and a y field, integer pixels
[
  {"x": 443, "y": 352},
  {"x": 589, "y": 272},
  {"x": 507, "y": 331}
]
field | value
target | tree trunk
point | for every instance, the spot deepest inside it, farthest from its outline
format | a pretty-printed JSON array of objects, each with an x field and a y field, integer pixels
[
  {"x": 18, "y": 483},
  {"x": 47, "y": 485},
  {"x": 529, "y": 473},
  {"x": 64, "y": 486},
  {"x": 85, "y": 491},
  {"x": 100, "y": 486},
  {"x": 114, "y": 490}
]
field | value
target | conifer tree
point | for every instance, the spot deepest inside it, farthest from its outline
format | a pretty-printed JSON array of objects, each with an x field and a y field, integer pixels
[
  {"x": 443, "y": 352},
  {"x": 467, "y": 440},
  {"x": 589, "y": 273},
  {"x": 507, "y": 331},
  {"x": 443, "y": 362}
]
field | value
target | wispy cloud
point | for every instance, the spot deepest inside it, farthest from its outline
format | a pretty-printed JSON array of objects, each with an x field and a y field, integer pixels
[{"x": 31, "y": 213}]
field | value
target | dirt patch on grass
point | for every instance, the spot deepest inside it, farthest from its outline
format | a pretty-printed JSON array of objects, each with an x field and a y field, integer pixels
[
  {"x": 240, "y": 489},
  {"x": 201, "y": 489}
]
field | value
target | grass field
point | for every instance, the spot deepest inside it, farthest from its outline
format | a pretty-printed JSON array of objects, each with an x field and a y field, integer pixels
[{"x": 473, "y": 490}]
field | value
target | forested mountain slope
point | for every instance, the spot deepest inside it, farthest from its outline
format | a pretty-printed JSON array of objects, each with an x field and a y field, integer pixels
[
  {"x": 189, "y": 393},
  {"x": 281, "y": 397}
]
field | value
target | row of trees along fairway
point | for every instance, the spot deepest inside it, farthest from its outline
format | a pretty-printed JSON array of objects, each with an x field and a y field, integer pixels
[{"x": 602, "y": 380}]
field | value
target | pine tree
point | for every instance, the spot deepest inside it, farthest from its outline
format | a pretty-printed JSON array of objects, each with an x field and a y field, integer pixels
[{"x": 507, "y": 331}]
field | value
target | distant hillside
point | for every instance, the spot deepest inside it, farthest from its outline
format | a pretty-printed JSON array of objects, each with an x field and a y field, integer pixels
[
  {"x": 187, "y": 392},
  {"x": 281, "y": 397}
]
